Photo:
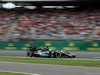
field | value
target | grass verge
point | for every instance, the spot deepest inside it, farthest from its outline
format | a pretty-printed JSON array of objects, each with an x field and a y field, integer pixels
[
  {"x": 67, "y": 62},
  {"x": 7, "y": 73}
]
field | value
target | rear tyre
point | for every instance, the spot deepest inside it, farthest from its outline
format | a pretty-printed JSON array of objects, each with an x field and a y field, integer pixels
[{"x": 30, "y": 54}]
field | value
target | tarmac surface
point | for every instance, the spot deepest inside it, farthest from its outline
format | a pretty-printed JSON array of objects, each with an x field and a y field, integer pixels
[
  {"x": 41, "y": 69},
  {"x": 79, "y": 54}
]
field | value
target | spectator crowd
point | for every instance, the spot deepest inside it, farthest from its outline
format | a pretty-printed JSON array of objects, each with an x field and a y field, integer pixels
[
  {"x": 57, "y": 23},
  {"x": 6, "y": 18},
  {"x": 51, "y": 23}
]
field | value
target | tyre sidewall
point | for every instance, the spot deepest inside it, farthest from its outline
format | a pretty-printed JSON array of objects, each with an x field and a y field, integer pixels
[{"x": 58, "y": 54}]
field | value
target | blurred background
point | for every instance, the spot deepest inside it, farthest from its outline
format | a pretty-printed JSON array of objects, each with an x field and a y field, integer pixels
[
  {"x": 24, "y": 21},
  {"x": 28, "y": 21}
]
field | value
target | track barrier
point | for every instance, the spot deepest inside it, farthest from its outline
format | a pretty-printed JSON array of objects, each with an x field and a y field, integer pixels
[{"x": 54, "y": 45}]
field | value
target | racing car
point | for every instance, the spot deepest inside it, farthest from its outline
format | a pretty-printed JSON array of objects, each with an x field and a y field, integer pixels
[{"x": 45, "y": 52}]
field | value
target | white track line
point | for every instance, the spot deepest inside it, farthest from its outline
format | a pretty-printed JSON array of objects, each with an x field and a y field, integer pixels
[
  {"x": 96, "y": 57},
  {"x": 93, "y": 73},
  {"x": 19, "y": 72}
]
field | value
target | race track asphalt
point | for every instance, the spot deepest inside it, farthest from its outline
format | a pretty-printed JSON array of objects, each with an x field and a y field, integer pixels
[
  {"x": 41, "y": 69},
  {"x": 79, "y": 54}
]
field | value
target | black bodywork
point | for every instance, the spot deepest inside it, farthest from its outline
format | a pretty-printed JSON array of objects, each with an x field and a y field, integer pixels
[{"x": 45, "y": 52}]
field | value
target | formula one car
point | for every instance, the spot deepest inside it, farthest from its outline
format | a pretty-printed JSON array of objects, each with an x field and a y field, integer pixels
[{"x": 45, "y": 52}]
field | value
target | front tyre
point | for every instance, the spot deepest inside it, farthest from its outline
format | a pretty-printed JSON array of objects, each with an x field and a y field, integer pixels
[
  {"x": 73, "y": 56},
  {"x": 58, "y": 55}
]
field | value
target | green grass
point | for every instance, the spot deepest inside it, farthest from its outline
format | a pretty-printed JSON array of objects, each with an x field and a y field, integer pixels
[
  {"x": 7, "y": 73},
  {"x": 67, "y": 62}
]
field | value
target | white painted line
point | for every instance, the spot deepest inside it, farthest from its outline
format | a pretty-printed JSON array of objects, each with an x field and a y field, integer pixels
[
  {"x": 93, "y": 73},
  {"x": 20, "y": 72},
  {"x": 96, "y": 57},
  {"x": 21, "y": 57}
]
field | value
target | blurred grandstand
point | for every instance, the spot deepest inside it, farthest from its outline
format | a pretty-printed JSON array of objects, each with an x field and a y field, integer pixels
[{"x": 70, "y": 20}]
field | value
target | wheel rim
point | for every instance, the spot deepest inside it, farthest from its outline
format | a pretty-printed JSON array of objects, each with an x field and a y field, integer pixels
[
  {"x": 30, "y": 54},
  {"x": 58, "y": 55}
]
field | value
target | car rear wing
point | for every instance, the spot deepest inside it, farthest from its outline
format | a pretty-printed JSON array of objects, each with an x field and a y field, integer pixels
[{"x": 31, "y": 49}]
